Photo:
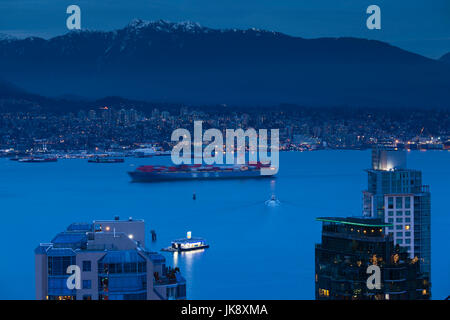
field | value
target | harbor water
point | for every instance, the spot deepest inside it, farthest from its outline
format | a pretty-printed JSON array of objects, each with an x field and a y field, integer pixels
[{"x": 256, "y": 251}]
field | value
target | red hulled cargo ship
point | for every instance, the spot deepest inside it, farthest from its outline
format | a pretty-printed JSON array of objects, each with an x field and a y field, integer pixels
[{"x": 197, "y": 172}]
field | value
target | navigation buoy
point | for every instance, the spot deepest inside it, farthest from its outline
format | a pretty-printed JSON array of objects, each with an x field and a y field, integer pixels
[{"x": 273, "y": 202}]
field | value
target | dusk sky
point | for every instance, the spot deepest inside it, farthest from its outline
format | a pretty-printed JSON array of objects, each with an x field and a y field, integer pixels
[{"x": 421, "y": 26}]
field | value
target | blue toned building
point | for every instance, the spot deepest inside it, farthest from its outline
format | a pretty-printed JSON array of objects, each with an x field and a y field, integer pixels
[{"x": 113, "y": 264}]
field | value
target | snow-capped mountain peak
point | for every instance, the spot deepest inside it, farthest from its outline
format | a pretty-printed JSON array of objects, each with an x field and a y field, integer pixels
[
  {"x": 165, "y": 26},
  {"x": 4, "y": 36}
]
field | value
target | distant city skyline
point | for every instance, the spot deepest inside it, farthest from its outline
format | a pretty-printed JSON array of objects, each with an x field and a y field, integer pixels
[{"x": 414, "y": 25}]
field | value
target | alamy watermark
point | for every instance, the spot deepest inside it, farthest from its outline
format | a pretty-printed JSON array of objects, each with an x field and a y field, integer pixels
[
  {"x": 235, "y": 153},
  {"x": 74, "y": 280},
  {"x": 374, "y": 280},
  {"x": 73, "y": 22},
  {"x": 374, "y": 20}
]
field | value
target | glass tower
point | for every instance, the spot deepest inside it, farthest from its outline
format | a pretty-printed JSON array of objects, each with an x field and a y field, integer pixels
[{"x": 349, "y": 247}]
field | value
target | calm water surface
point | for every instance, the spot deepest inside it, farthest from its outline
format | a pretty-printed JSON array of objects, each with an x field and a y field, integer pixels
[{"x": 256, "y": 252}]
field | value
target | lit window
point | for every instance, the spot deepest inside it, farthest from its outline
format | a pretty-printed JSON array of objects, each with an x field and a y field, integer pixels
[
  {"x": 407, "y": 227},
  {"x": 324, "y": 292}
]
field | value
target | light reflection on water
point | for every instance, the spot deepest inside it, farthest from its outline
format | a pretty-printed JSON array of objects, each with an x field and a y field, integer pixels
[{"x": 189, "y": 257}]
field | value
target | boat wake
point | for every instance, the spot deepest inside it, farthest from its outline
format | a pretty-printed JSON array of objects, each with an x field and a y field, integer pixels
[{"x": 273, "y": 202}]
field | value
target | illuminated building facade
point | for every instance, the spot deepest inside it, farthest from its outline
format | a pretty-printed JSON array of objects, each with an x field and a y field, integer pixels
[
  {"x": 113, "y": 261},
  {"x": 396, "y": 195},
  {"x": 349, "y": 246}
]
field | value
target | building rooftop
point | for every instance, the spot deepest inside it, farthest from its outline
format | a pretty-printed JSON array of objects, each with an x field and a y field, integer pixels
[
  {"x": 360, "y": 221},
  {"x": 118, "y": 235},
  {"x": 69, "y": 238},
  {"x": 80, "y": 227}
]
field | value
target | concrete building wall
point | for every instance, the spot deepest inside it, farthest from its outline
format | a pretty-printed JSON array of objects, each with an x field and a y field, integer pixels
[
  {"x": 91, "y": 275},
  {"x": 401, "y": 215},
  {"x": 135, "y": 229},
  {"x": 151, "y": 295},
  {"x": 41, "y": 277},
  {"x": 111, "y": 240}
]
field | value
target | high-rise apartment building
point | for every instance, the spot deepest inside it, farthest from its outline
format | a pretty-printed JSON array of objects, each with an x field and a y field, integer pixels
[
  {"x": 113, "y": 261},
  {"x": 397, "y": 195},
  {"x": 349, "y": 247}
]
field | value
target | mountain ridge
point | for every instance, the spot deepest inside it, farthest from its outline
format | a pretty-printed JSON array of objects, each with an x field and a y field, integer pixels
[
  {"x": 445, "y": 58},
  {"x": 186, "y": 62}
]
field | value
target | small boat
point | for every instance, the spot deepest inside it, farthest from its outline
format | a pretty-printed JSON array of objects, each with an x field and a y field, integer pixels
[
  {"x": 187, "y": 244},
  {"x": 106, "y": 160},
  {"x": 37, "y": 159}
]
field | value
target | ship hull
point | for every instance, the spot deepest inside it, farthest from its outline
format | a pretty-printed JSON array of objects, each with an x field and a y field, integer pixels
[
  {"x": 37, "y": 160},
  {"x": 170, "y": 249},
  {"x": 138, "y": 176}
]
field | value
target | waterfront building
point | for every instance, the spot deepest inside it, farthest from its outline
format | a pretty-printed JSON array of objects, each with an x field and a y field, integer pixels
[
  {"x": 349, "y": 246},
  {"x": 397, "y": 195},
  {"x": 92, "y": 115},
  {"x": 114, "y": 264}
]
